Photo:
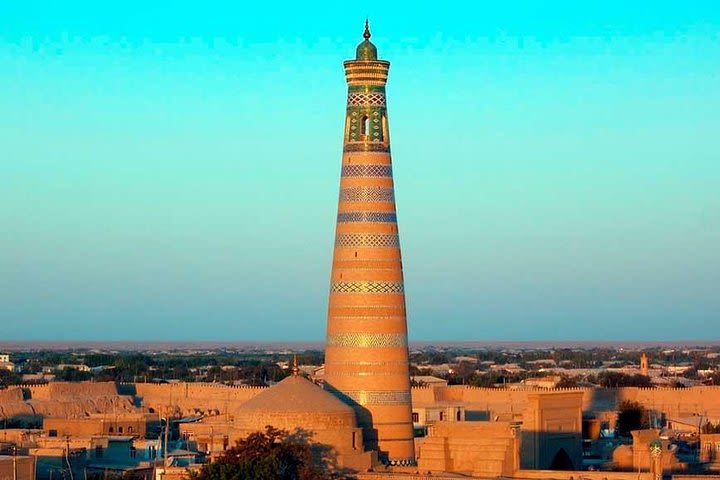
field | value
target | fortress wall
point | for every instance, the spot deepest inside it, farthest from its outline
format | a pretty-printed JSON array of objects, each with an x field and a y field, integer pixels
[
  {"x": 12, "y": 404},
  {"x": 81, "y": 406},
  {"x": 83, "y": 398},
  {"x": 38, "y": 391},
  {"x": 69, "y": 400},
  {"x": 191, "y": 398},
  {"x": 82, "y": 389},
  {"x": 675, "y": 402},
  {"x": 703, "y": 400},
  {"x": 11, "y": 395}
]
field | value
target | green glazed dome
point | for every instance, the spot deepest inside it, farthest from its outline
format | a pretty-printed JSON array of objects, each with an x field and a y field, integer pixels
[{"x": 366, "y": 50}]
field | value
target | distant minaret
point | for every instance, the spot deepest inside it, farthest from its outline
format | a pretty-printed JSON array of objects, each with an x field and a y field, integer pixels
[
  {"x": 644, "y": 364},
  {"x": 366, "y": 356}
]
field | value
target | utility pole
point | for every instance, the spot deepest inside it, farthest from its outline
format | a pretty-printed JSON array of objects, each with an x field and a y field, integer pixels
[
  {"x": 67, "y": 455},
  {"x": 15, "y": 472},
  {"x": 165, "y": 442},
  {"x": 212, "y": 441}
]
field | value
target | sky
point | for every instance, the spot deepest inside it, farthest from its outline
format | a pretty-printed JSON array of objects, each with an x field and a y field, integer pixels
[{"x": 170, "y": 170}]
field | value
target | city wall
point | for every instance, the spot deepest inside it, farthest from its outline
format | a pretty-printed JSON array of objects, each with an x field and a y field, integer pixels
[
  {"x": 193, "y": 398},
  {"x": 485, "y": 403},
  {"x": 84, "y": 398}
]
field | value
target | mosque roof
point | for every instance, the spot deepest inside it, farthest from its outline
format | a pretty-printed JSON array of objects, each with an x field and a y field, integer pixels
[{"x": 296, "y": 394}]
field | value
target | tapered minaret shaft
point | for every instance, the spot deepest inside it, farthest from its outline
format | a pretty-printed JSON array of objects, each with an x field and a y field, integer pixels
[{"x": 366, "y": 360}]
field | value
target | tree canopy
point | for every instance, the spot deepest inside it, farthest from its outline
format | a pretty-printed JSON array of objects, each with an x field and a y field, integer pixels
[
  {"x": 631, "y": 416},
  {"x": 270, "y": 455}
]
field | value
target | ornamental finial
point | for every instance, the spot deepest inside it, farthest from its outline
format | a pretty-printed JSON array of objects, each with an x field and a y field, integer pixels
[
  {"x": 295, "y": 369},
  {"x": 366, "y": 34}
]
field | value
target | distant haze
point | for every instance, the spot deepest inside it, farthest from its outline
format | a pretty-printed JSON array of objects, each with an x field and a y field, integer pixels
[
  {"x": 301, "y": 346},
  {"x": 169, "y": 170}
]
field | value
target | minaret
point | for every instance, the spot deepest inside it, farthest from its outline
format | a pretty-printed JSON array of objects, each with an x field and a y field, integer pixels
[
  {"x": 644, "y": 364},
  {"x": 366, "y": 355}
]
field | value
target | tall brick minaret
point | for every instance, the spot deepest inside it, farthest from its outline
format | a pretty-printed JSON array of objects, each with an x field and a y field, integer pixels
[{"x": 366, "y": 359}]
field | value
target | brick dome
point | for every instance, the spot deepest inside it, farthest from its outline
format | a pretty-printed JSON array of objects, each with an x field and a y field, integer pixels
[{"x": 295, "y": 402}]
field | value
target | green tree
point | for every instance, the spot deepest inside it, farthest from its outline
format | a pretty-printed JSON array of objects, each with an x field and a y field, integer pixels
[
  {"x": 271, "y": 455},
  {"x": 709, "y": 427},
  {"x": 609, "y": 379},
  {"x": 631, "y": 416},
  {"x": 72, "y": 375},
  {"x": 9, "y": 378}
]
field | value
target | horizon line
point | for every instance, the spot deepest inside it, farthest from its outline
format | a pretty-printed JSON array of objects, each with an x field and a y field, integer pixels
[{"x": 135, "y": 345}]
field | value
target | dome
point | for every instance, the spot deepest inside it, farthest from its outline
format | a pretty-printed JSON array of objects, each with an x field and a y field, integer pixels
[
  {"x": 366, "y": 50},
  {"x": 295, "y": 402}
]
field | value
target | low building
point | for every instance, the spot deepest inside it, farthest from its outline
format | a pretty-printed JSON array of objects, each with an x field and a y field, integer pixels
[
  {"x": 687, "y": 423},
  {"x": 710, "y": 450},
  {"x": 210, "y": 436},
  {"x": 73, "y": 366},
  {"x": 440, "y": 412},
  {"x": 38, "y": 377},
  {"x": 17, "y": 467},
  {"x": 485, "y": 449},
  {"x": 175, "y": 472},
  {"x": 429, "y": 381},
  {"x": 551, "y": 381},
  {"x": 552, "y": 431},
  {"x": 54, "y": 462},
  {"x": 647, "y": 449},
  {"x": 97, "y": 455},
  {"x": 131, "y": 424},
  {"x": 5, "y": 363}
]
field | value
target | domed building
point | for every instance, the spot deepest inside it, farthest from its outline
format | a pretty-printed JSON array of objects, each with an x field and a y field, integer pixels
[{"x": 297, "y": 403}]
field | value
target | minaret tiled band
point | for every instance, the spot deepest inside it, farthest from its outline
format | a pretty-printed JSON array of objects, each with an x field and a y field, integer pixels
[{"x": 366, "y": 362}]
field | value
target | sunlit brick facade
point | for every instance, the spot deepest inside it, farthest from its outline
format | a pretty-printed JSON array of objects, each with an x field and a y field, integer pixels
[{"x": 367, "y": 348}]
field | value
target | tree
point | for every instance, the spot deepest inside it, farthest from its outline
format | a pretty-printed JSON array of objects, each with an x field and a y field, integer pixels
[
  {"x": 271, "y": 455},
  {"x": 8, "y": 378},
  {"x": 631, "y": 416},
  {"x": 568, "y": 382},
  {"x": 609, "y": 379},
  {"x": 709, "y": 427}
]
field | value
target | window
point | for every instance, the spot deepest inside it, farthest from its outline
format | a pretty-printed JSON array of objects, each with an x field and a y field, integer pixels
[
  {"x": 130, "y": 430},
  {"x": 111, "y": 430},
  {"x": 365, "y": 126},
  {"x": 416, "y": 417},
  {"x": 98, "y": 451},
  {"x": 120, "y": 429},
  {"x": 442, "y": 416},
  {"x": 458, "y": 416},
  {"x": 354, "y": 440}
]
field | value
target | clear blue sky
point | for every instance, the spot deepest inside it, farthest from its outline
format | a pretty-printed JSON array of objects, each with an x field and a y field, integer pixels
[{"x": 171, "y": 171}]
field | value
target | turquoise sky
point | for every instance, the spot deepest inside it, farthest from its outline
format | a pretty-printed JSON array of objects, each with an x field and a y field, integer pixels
[{"x": 170, "y": 172}]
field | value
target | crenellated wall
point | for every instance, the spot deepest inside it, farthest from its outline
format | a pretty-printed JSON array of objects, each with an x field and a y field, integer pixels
[
  {"x": 82, "y": 398},
  {"x": 194, "y": 398},
  {"x": 486, "y": 403}
]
